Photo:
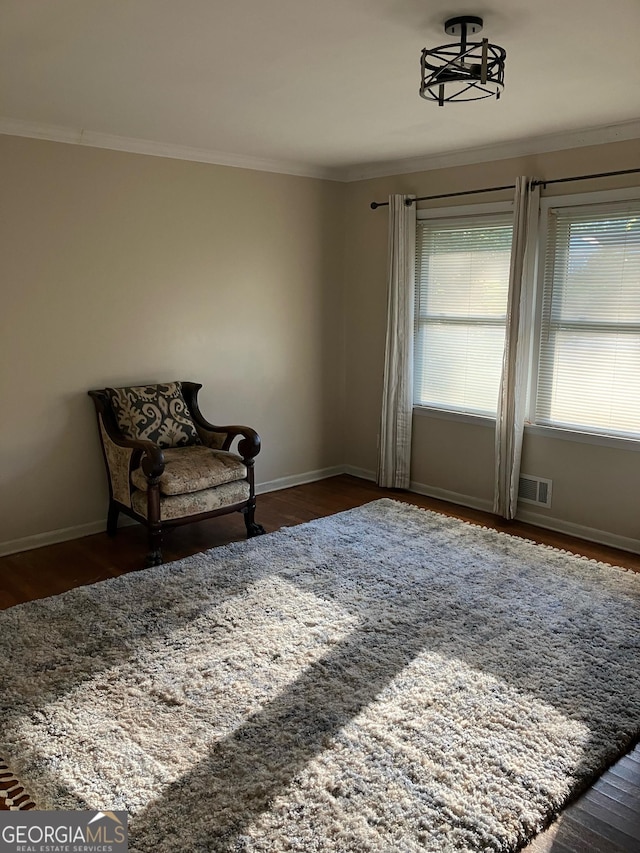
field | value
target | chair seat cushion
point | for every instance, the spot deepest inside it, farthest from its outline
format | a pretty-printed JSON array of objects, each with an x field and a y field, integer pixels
[
  {"x": 192, "y": 469},
  {"x": 194, "y": 503}
]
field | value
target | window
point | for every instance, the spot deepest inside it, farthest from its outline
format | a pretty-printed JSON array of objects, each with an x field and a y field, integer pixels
[
  {"x": 588, "y": 375},
  {"x": 462, "y": 282}
]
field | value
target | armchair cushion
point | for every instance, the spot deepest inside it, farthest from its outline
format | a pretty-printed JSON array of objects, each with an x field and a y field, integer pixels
[
  {"x": 192, "y": 469},
  {"x": 208, "y": 500},
  {"x": 156, "y": 413}
]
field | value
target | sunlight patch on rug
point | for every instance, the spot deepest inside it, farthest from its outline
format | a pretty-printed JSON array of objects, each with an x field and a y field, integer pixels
[
  {"x": 386, "y": 678},
  {"x": 264, "y": 636},
  {"x": 390, "y": 774}
]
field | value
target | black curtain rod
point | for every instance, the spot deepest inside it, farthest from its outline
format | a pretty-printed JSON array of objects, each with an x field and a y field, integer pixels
[{"x": 410, "y": 201}]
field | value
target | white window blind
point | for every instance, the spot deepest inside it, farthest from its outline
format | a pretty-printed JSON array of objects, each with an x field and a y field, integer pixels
[
  {"x": 589, "y": 358},
  {"x": 462, "y": 281}
]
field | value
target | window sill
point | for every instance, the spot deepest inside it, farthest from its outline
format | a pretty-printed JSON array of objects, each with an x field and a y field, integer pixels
[
  {"x": 448, "y": 415},
  {"x": 575, "y": 436}
]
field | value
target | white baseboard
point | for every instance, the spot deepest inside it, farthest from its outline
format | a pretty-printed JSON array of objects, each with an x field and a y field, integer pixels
[
  {"x": 427, "y": 491},
  {"x": 62, "y": 534},
  {"x": 591, "y": 534},
  {"x": 38, "y": 540},
  {"x": 603, "y": 537},
  {"x": 298, "y": 479},
  {"x": 451, "y": 497},
  {"x": 558, "y": 525},
  {"x": 361, "y": 473}
]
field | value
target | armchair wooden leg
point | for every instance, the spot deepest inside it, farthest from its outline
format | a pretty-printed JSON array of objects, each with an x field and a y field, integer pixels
[
  {"x": 253, "y": 528},
  {"x": 154, "y": 557},
  {"x": 112, "y": 519}
]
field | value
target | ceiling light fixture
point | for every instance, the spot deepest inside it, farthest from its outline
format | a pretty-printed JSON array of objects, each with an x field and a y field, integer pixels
[{"x": 467, "y": 71}]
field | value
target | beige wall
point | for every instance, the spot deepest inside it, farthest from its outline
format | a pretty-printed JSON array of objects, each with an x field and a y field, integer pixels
[
  {"x": 595, "y": 488},
  {"x": 120, "y": 268},
  {"x": 268, "y": 289}
]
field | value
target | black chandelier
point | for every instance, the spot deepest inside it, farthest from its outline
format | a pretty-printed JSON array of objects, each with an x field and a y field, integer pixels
[{"x": 467, "y": 71}]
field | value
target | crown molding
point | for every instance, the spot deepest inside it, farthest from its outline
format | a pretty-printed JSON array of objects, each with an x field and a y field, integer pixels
[
  {"x": 92, "y": 139},
  {"x": 499, "y": 151},
  {"x": 388, "y": 168}
]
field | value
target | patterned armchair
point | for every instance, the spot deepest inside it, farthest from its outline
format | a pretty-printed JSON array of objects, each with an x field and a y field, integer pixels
[{"x": 167, "y": 465}]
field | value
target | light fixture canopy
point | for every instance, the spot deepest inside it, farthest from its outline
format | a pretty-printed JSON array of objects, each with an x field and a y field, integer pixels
[{"x": 463, "y": 71}]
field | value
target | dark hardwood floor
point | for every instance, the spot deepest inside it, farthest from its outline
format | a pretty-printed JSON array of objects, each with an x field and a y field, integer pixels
[{"x": 605, "y": 819}]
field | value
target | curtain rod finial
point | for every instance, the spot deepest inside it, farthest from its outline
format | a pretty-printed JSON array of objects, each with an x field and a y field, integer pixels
[{"x": 374, "y": 205}]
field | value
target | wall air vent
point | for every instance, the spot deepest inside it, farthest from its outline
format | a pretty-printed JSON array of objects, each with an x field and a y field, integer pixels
[{"x": 534, "y": 490}]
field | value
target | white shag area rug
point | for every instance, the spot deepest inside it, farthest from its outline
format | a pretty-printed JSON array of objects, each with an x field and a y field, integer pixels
[{"x": 385, "y": 679}]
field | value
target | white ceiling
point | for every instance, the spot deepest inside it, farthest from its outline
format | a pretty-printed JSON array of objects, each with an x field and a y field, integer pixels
[{"x": 326, "y": 87}]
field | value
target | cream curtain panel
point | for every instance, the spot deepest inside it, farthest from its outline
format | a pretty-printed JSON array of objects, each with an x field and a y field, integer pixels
[
  {"x": 394, "y": 452},
  {"x": 512, "y": 396}
]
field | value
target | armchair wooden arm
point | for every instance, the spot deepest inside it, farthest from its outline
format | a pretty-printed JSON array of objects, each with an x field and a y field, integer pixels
[{"x": 248, "y": 446}]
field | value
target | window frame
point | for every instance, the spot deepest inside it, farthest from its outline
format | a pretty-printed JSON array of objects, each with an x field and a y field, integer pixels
[
  {"x": 450, "y": 212},
  {"x": 535, "y": 301}
]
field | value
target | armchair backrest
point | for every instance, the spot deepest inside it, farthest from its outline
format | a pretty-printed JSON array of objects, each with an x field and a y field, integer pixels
[
  {"x": 176, "y": 415},
  {"x": 157, "y": 413}
]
